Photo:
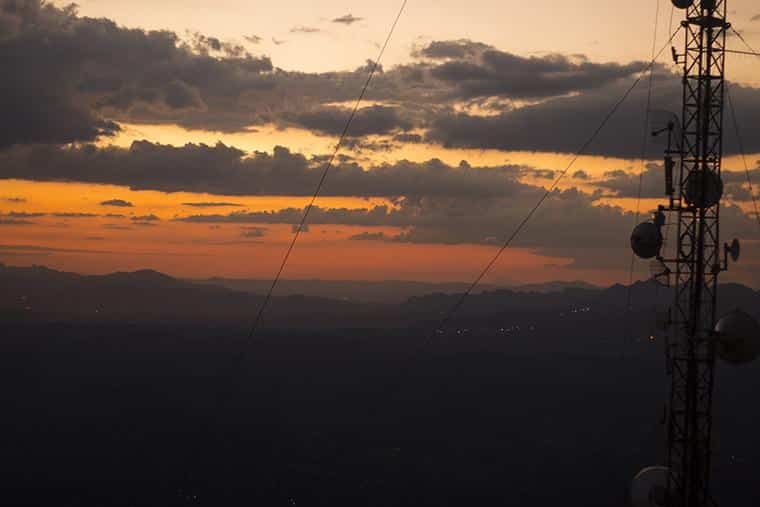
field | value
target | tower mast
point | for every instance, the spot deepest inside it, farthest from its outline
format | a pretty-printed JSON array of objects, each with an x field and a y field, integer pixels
[
  {"x": 697, "y": 261},
  {"x": 694, "y": 186}
]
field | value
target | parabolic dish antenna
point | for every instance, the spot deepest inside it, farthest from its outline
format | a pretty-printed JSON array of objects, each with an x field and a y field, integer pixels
[
  {"x": 646, "y": 240},
  {"x": 650, "y": 488},
  {"x": 683, "y": 4},
  {"x": 738, "y": 338},
  {"x": 703, "y": 189}
]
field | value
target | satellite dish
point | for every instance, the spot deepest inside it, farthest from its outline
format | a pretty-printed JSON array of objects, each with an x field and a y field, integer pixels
[
  {"x": 703, "y": 189},
  {"x": 734, "y": 250},
  {"x": 738, "y": 338},
  {"x": 683, "y": 4},
  {"x": 646, "y": 240},
  {"x": 650, "y": 488}
]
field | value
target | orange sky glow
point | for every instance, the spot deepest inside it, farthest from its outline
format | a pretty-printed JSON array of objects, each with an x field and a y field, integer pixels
[{"x": 65, "y": 225}]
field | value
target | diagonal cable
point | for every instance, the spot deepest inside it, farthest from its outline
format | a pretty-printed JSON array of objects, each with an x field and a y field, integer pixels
[
  {"x": 325, "y": 171},
  {"x": 741, "y": 150},
  {"x": 645, "y": 138},
  {"x": 444, "y": 322},
  {"x": 741, "y": 38}
]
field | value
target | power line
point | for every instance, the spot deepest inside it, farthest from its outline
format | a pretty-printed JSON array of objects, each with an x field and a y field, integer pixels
[
  {"x": 549, "y": 191},
  {"x": 326, "y": 170},
  {"x": 741, "y": 150},
  {"x": 645, "y": 138},
  {"x": 738, "y": 132},
  {"x": 741, "y": 38},
  {"x": 737, "y": 52}
]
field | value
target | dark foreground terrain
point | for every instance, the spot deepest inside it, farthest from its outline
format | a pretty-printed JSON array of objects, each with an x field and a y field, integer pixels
[{"x": 143, "y": 412}]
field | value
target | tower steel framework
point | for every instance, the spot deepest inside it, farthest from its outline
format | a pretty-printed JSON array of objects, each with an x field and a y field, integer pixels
[{"x": 695, "y": 201}]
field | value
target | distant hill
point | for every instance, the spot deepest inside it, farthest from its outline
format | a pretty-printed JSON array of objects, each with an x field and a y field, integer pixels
[
  {"x": 386, "y": 291},
  {"x": 44, "y": 294},
  {"x": 555, "y": 286}
]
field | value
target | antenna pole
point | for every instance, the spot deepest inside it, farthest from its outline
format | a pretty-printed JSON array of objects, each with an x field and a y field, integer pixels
[{"x": 697, "y": 256}]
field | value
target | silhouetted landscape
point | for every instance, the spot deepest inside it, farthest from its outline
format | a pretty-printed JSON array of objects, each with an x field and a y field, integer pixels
[
  {"x": 141, "y": 389},
  {"x": 379, "y": 254}
]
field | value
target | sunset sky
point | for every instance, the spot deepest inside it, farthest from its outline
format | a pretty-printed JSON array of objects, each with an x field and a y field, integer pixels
[{"x": 187, "y": 136}]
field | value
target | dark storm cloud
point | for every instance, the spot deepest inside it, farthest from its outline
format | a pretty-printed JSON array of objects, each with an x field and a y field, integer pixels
[
  {"x": 408, "y": 138},
  {"x": 497, "y": 73},
  {"x": 146, "y": 218},
  {"x": 64, "y": 76},
  {"x": 564, "y": 124},
  {"x": 119, "y": 203},
  {"x": 626, "y": 183},
  {"x": 581, "y": 175},
  {"x": 70, "y": 79},
  {"x": 454, "y": 49},
  {"x": 224, "y": 170},
  {"x": 571, "y": 224},
  {"x": 180, "y": 95},
  {"x": 347, "y": 19},
  {"x": 368, "y": 121},
  {"x": 204, "y": 44}
]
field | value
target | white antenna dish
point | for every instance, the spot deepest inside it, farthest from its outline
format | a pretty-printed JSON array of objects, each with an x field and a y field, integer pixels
[
  {"x": 650, "y": 488},
  {"x": 738, "y": 338}
]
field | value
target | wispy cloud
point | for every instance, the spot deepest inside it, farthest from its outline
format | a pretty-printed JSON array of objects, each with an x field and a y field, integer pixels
[
  {"x": 254, "y": 232},
  {"x": 212, "y": 204},
  {"x": 304, "y": 29},
  {"x": 15, "y": 221},
  {"x": 146, "y": 218},
  {"x": 119, "y": 203},
  {"x": 348, "y": 19}
]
